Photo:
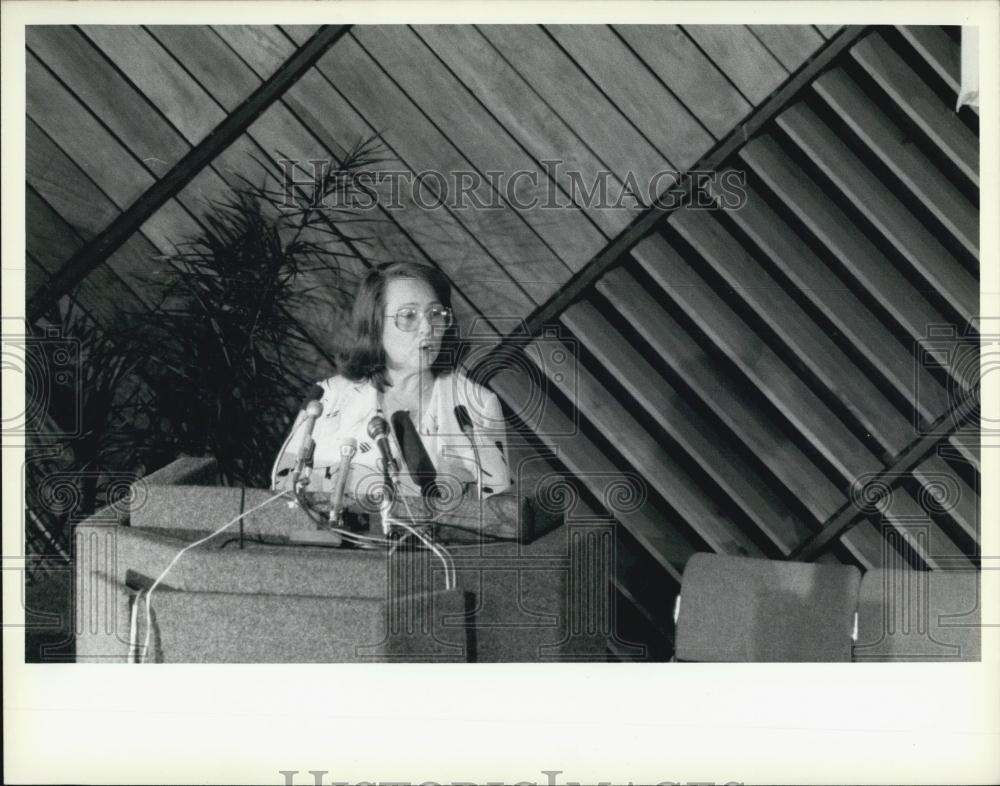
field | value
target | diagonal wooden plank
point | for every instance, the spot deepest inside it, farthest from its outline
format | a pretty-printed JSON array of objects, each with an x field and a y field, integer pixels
[
  {"x": 718, "y": 393},
  {"x": 35, "y": 276},
  {"x": 641, "y": 450},
  {"x": 267, "y": 42},
  {"x": 485, "y": 291},
  {"x": 668, "y": 546},
  {"x": 158, "y": 76},
  {"x": 886, "y": 427},
  {"x": 739, "y": 55},
  {"x": 891, "y": 144},
  {"x": 485, "y": 146},
  {"x": 87, "y": 210},
  {"x": 915, "y": 452},
  {"x": 803, "y": 409},
  {"x": 561, "y": 83},
  {"x": 106, "y": 92},
  {"x": 924, "y": 535},
  {"x": 111, "y": 165},
  {"x": 84, "y": 139},
  {"x": 663, "y": 263},
  {"x": 689, "y": 74},
  {"x": 68, "y": 189},
  {"x": 963, "y": 447},
  {"x": 620, "y": 245},
  {"x": 920, "y": 104},
  {"x": 960, "y": 501},
  {"x": 862, "y": 260},
  {"x": 637, "y": 93},
  {"x": 940, "y": 52},
  {"x": 747, "y": 351},
  {"x": 792, "y": 45},
  {"x": 686, "y": 425},
  {"x": 506, "y": 95},
  {"x": 911, "y": 238},
  {"x": 829, "y": 31},
  {"x": 100, "y": 247},
  {"x": 820, "y": 286},
  {"x": 500, "y": 273},
  {"x": 49, "y": 240}
]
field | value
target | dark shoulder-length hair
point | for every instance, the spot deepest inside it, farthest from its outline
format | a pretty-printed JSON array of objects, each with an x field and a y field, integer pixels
[{"x": 363, "y": 357}]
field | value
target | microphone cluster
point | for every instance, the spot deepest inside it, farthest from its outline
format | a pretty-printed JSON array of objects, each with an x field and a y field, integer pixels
[{"x": 414, "y": 451}]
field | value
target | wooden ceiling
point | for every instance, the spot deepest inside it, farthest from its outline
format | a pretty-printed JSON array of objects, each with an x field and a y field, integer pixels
[{"x": 742, "y": 375}]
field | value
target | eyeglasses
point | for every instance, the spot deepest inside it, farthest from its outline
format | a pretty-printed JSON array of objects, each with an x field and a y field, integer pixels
[{"x": 408, "y": 318}]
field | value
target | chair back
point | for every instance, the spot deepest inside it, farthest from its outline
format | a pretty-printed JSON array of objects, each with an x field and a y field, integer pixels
[
  {"x": 740, "y": 609},
  {"x": 914, "y": 615}
]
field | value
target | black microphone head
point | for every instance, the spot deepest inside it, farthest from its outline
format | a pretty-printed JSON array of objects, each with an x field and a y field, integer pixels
[
  {"x": 414, "y": 452},
  {"x": 462, "y": 416},
  {"x": 399, "y": 419},
  {"x": 377, "y": 427}
]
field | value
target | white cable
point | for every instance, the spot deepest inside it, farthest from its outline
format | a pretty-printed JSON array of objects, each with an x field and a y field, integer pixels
[
  {"x": 409, "y": 528},
  {"x": 447, "y": 554},
  {"x": 277, "y": 460},
  {"x": 443, "y": 554},
  {"x": 179, "y": 554},
  {"x": 360, "y": 539},
  {"x": 438, "y": 551},
  {"x": 133, "y": 631}
]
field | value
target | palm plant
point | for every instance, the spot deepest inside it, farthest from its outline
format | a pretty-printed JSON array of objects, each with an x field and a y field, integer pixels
[
  {"x": 216, "y": 368},
  {"x": 228, "y": 353},
  {"x": 87, "y": 430}
]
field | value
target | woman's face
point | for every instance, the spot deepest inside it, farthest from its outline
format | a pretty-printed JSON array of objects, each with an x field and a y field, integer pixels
[{"x": 417, "y": 349}]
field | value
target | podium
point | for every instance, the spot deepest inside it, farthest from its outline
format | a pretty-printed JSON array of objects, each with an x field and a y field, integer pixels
[{"x": 254, "y": 595}]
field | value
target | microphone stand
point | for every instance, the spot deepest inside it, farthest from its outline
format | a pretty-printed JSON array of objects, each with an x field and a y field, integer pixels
[
  {"x": 467, "y": 427},
  {"x": 479, "y": 466}
]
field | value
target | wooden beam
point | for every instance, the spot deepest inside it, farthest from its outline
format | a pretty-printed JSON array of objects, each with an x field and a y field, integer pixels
[
  {"x": 103, "y": 245},
  {"x": 905, "y": 462},
  {"x": 645, "y": 223}
]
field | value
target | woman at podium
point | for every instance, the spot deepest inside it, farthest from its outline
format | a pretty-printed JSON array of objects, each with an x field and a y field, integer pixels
[{"x": 399, "y": 405}]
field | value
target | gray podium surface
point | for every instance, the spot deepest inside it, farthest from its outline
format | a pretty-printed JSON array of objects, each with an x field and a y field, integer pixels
[{"x": 233, "y": 600}]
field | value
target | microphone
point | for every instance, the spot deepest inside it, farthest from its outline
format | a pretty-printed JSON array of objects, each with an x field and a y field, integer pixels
[
  {"x": 465, "y": 423},
  {"x": 347, "y": 451},
  {"x": 462, "y": 416},
  {"x": 415, "y": 454},
  {"x": 378, "y": 430},
  {"x": 313, "y": 410}
]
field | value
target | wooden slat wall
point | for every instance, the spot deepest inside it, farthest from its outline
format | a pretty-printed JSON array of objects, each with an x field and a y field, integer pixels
[
  {"x": 125, "y": 103},
  {"x": 752, "y": 364}
]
